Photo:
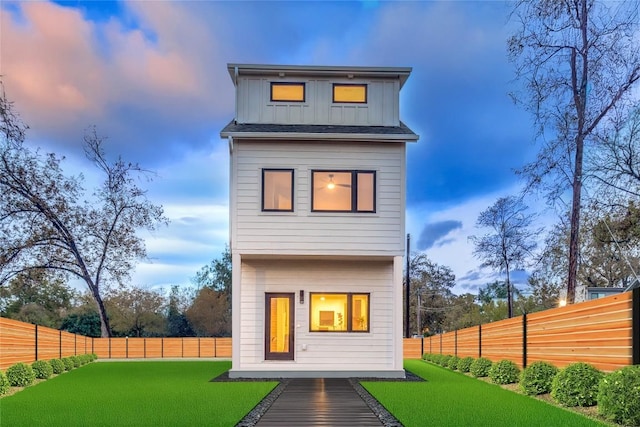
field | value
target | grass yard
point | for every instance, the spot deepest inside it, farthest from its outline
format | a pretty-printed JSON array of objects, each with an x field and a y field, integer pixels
[
  {"x": 135, "y": 394},
  {"x": 450, "y": 398}
]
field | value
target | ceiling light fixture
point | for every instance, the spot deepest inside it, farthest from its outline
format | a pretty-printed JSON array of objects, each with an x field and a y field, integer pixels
[{"x": 331, "y": 185}]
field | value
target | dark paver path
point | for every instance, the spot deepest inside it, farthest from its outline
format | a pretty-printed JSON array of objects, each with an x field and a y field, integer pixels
[{"x": 319, "y": 402}]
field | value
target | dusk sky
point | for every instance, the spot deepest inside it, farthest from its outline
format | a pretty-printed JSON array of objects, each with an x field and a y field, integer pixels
[{"x": 152, "y": 77}]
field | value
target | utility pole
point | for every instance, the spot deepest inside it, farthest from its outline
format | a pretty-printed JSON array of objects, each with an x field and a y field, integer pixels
[{"x": 407, "y": 333}]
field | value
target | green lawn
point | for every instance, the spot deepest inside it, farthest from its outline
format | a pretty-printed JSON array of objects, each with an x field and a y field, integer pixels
[
  {"x": 135, "y": 394},
  {"x": 450, "y": 398}
]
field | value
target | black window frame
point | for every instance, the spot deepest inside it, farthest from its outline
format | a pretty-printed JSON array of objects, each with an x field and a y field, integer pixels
[
  {"x": 264, "y": 170},
  {"x": 304, "y": 91},
  {"x": 366, "y": 93},
  {"x": 354, "y": 190},
  {"x": 348, "y": 314}
]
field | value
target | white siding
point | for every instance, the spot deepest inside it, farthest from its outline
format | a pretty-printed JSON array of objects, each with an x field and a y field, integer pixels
[
  {"x": 325, "y": 351},
  {"x": 303, "y": 232},
  {"x": 254, "y": 104}
]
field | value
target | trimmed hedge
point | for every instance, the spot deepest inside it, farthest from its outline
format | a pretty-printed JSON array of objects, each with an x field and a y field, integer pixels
[
  {"x": 576, "y": 385},
  {"x": 453, "y": 363},
  {"x": 480, "y": 367},
  {"x": 20, "y": 375},
  {"x": 42, "y": 369},
  {"x": 68, "y": 363},
  {"x": 465, "y": 364},
  {"x": 4, "y": 384},
  {"x": 537, "y": 378},
  {"x": 504, "y": 372},
  {"x": 76, "y": 361},
  {"x": 57, "y": 365},
  {"x": 619, "y": 396}
]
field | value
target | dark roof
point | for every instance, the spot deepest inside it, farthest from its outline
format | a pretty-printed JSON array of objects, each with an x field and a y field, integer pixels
[{"x": 263, "y": 129}]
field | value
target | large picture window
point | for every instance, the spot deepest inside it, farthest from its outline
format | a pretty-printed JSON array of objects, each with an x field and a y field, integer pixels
[
  {"x": 333, "y": 312},
  {"x": 277, "y": 190},
  {"x": 343, "y": 191}
]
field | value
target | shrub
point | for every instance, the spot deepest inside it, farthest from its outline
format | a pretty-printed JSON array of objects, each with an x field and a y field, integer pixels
[
  {"x": 4, "y": 384},
  {"x": 76, "y": 361},
  {"x": 453, "y": 362},
  {"x": 42, "y": 369},
  {"x": 619, "y": 396},
  {"x": 435, "y": 358},
  {"x": 68, "y": 363},
  {"x": 465, "y": 364},
  {"x": 57, "y": 365},
  {"x": 444, "y": 360},
  {"x": 576, "y": 385},
  {"x": 537, "y": 377},
  {"x": 504, "y": 372},
  {"x": 480, "y": 367},
  {"x": 20, "y": 375},
  {"x": 94, "y": 357}
]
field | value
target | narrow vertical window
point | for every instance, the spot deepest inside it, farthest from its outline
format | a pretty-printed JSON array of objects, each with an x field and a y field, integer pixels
[
  {"x": 277, "y": 190},
  {"x": 287, "y": 92}
]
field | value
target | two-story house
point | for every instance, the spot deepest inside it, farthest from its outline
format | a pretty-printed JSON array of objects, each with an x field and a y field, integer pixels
[{"x": 317, "y": 220}]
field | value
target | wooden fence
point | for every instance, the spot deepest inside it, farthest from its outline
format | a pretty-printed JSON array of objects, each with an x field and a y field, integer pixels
[
  {"x": 24, "y": 342},
  {"x": 604, "y": 332}
]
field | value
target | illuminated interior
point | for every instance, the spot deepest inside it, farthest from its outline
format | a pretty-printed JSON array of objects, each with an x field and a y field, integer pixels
[
  {"x": 339, "y": 312},
  {"x": 334, "y": 191},
  {"x": 278, "y": 191},
  {"x": 279, "y": 325},
  {"x": 354, "y": 93},
  {"x": 293, "y": 92}
]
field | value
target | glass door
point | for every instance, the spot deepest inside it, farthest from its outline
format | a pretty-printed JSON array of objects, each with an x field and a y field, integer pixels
[{"x": 279, "y": 326}]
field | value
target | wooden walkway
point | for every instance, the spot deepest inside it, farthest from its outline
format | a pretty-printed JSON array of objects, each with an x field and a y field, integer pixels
[{"x": 319, "y": 402}]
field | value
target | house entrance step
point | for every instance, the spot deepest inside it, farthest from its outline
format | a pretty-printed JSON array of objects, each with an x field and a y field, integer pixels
[{"x": 319, "y": 402}]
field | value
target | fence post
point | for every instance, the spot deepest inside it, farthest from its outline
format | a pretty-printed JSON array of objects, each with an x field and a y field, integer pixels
[
  {"x": 60, "y": 343},
  {"x": 421, "y": 346},
  {"x": 524, "y": 340},
  {"x": 144, "y": 346},
  {"x": 635, "y": 316},
  {"x": 126, "y": 347},
  {"x": 109, "y": 347},
  {"x": 455, "y": 345},
  {"x": 162, "y": 348},
  {"x": 215, "y": 348},
  {"x": 36, "y": 342},
  {"x": 480, "y": 340},
  {"x": 198, "y": 348}
]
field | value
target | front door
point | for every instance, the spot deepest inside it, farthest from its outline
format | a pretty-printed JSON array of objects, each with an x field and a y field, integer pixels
[{"x": 279, "y": 326}]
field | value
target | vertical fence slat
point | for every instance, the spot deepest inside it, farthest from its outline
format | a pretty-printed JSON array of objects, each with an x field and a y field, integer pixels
[{"x": 524, "y": 340}]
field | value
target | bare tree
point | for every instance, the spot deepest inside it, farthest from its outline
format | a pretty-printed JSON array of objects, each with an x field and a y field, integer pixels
[
  {"x": 509, "y": 244},
  {"x": 580, "y": 60},
  {"x": 615, "y": 163},
  {"x": 46, "y": 223}
]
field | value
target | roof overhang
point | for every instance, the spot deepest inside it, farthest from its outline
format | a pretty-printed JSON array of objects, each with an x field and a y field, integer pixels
[
  {"x": 319, "y": 132},
  {"x": 400, "y": 73}
]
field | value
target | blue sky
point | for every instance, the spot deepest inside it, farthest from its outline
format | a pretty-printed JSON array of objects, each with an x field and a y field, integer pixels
[{"x": 152, "y": 77}]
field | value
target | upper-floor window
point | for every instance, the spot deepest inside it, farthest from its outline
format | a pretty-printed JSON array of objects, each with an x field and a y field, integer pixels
[
  {"x": 343, "y": 191},
  {"x": 287, "y": 91},
  {"x": 277, "y": 190},
  {"x": 350, "y": 93}
]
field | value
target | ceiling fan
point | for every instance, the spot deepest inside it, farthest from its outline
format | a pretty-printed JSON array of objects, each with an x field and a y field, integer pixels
[{"x": 331, "y": 185}]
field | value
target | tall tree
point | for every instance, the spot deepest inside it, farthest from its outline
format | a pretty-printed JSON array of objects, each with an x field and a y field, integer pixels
[
  {"x": 216, "y": 275},
  {"x": 36, "y": 298},
  {"x": 579, "y": 59},
  {"x": 180, "y": 299},
  {"x": 510, "y": 242},
  {"x": 431, "y": 294},
  {"x": 47, "y": 223},
  {"x": 136, "y": 312},
  {"x": 209, "y": 314}
]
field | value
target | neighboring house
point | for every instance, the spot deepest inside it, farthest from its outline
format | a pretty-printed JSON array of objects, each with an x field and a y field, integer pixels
[{"x": 317, "y": 218}]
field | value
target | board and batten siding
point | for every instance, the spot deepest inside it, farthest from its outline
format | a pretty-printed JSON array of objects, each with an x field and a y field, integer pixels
[
  {"x": 303, "y": 232},
  {"x": 325, "y": 351},
  {"x": 254, "y": 103}
]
